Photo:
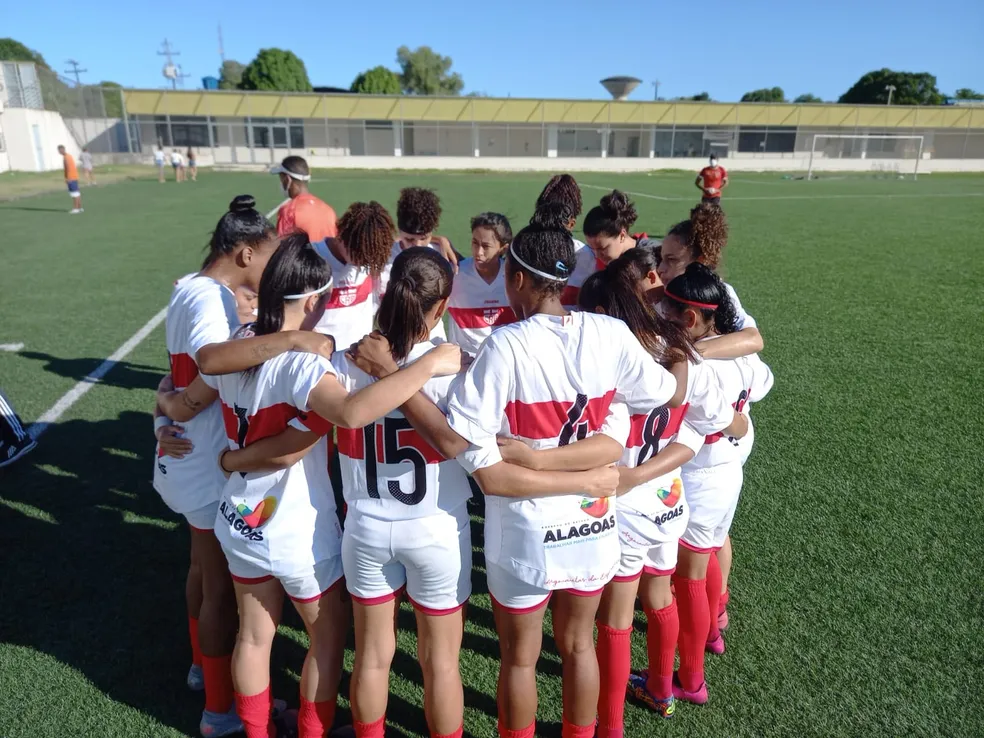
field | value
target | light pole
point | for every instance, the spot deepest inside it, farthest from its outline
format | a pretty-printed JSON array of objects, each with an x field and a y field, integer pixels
[
  {"x": 891, "y": 89},
  {"x": 655, "y": 89}
]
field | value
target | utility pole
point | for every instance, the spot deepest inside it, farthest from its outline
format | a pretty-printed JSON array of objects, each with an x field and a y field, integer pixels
[
  {"x": 76, "y": 72},
  {"x": 221, "y": 47},
  {"x": 891, "y": 89},
  {"x": 655, "y": 89},
  {"x": 171, "y": 71}
]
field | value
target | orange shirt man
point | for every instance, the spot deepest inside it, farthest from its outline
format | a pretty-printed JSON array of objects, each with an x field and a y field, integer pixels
[
  {"x": 304, "y": 212},
  {"x": 712, "y": 180},
  {"x": 71, "y": 180}
]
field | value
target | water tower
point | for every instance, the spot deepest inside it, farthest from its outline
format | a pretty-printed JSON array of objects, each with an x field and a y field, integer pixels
[{"x": 620, "y": 87}]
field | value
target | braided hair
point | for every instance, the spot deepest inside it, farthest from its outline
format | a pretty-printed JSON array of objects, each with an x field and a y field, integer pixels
[
  {"x": 546, "y": 248},
  {"x": 367, "y": 231},
  {"x": 562, "y": 188}
]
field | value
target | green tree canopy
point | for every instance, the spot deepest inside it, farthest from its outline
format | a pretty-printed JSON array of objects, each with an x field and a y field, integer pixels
[
  {"x": 276, "y": 69},
  {"x": 808, "y": 97},
  {"x": 11, "y": 50},
  {"x": 377, "y": 81},
  {"x": 965, "y": 93},
  {"x": 699, "y": 97},
  {"x": 112, "y": 99},
  {"x": 911, "y": 88},
  {"x": 766, "y": 94},
  {"x": 230, "y": 75},
  {"x": 425, "y": 72}
]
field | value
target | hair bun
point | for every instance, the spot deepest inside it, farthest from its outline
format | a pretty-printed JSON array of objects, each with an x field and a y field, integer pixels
[
  {"x": 619, "y": 207},
  {"x": 242, "y": 203}
]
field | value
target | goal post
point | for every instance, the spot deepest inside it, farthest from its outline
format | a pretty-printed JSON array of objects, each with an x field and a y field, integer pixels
[{"x": 889, "y": 154}]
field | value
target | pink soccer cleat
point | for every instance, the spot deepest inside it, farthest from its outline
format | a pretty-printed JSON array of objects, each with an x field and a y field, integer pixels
[{"x": 698, "y": 697}]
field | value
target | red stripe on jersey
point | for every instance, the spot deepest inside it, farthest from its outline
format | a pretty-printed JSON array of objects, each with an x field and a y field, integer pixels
[
  {"x": 482, "y": 317},
  {"x": 537, "y": 420},
  {"x": 350, "y": 443},
  {"x": 315, "y": 423},
  {"x": 412, "y": 438},
  {"x": 569, "y": 295},
  {"x": 268, "y": 421},
  {"x": 599, "y": 264},
  {"x": 349, "y": 296},
  {"x": 379, "y": 444},
  {"x": 637, "y": 430},
  {"x": 738, "y": 405},
  {"x": 183, "y": 370}
]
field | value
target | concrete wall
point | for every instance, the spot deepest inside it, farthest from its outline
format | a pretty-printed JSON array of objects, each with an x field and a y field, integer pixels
[
  {"x": 101, "y": 135},
  {"x": 23, "y": 152}
]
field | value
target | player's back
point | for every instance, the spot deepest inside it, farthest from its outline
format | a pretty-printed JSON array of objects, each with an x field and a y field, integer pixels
[
  {"x": 350, "y": 309},
  {"x": 389, "y": 471}
]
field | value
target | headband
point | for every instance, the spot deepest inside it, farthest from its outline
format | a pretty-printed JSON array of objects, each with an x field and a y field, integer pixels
[
  {"x": 309, "y": 294},
  {"x": 693, "y": 303},
  {"x": 537, "y": 272},
  {"x": 281, "y": 169}
]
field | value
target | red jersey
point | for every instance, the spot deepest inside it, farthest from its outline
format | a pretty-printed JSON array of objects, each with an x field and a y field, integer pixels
[
  {"x": 308, "y": 214},
  {"x": 713, "y": 177}
]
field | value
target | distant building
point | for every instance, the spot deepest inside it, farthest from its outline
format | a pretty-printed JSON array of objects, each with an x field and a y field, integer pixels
[{"x": 210, "y": 83}]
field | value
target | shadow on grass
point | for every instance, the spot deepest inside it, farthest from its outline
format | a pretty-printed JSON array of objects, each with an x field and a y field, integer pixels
[
  {"x": 124, "y": 374},
  {"x": 34, "y": 209}
]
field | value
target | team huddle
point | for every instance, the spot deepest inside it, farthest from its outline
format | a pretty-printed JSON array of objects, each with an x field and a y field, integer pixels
[{"x": 594, "y": 395}]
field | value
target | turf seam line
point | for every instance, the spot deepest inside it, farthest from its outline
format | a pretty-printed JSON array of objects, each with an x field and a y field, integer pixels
[{"x": 853, "y": 196}]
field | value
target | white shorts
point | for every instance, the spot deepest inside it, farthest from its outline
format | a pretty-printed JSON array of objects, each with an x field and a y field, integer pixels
[
  {"x": 305, "y": 585},
  {"x": 713, "y": 496},
  {"x": 203, "y": 518},
  {"x": 649, "y": 542},
  {"x": 516, "y": 596},
  {"x": 430, "y": 557}
]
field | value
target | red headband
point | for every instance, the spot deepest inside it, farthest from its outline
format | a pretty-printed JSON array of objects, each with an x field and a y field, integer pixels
[{"x": 704, "y": 305}]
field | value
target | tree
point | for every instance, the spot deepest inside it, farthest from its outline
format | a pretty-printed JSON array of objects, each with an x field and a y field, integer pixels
[
  {"x": 377, "y": 81},
  {"x": 230, "y": 75},
  {"x": 965, "y": 93},
  {"x": 699, "y": 97},
  {"x": 276, "y": 69},
  {"x": 425, "y": 72},
  {"x": 911, "y": 88},
  {"x": 766, "y": 95},
  {"x": 112, "y": 99},
  {"x": 11, "y": 50},
  {"x": 808, "y": 97}
]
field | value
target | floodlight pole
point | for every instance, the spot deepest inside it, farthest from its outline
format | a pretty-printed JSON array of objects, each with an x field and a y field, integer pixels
[
  {"x": 891, "y": 89},
  {"x": 655, "y": 89}
]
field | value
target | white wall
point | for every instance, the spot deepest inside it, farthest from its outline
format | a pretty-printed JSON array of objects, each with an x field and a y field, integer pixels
[{"x": 22, "y": 153}]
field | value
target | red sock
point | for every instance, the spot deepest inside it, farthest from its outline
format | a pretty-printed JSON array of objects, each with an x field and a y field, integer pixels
[
  {"x": 456, "y": 734},
  {"x": 724, "y": 600},
  {"x": 527, "y": 732},
  {"x": 254, "y": 710},
  {"x": 371, "y": 730},
  {"x": 315, "y": 718},
  {"x": 614, "y": 651},
  {"x": 196, "y": 651},
  {"x": 662, "y": 632},
  {"x": 694, "y": 626},
  {"x": 713, "y": 596},
  {"x": 217, "y": 671},
  {"x": 570, "y": 730}
]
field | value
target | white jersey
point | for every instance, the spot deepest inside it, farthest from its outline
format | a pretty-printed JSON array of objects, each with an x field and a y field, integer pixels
[
  {"x": 159, "y": 157},
  {"x": 350, "y": 309},
  {"x": 744, "y": 319},
  {"x": 389, "y": 471},
  {"x": 176, "y": 158},
  {"x": 743, "y": 380},
  {"x": 382, "y": 282},
  {"x": 201, "y": 311},
  {"x": 283, "y": 521},
  {"x": 550, "y": 381},
  {"x": 476, "y": 308},
  {"x": 585, "y": 264}
]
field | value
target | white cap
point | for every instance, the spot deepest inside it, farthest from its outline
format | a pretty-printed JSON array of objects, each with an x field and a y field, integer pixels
[{"x": 279, "y": 169}]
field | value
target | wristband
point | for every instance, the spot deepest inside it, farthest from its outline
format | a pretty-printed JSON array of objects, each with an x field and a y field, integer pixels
[{"x": 160, "y": 422}]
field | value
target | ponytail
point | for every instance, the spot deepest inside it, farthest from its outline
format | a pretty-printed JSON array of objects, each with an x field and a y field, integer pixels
[
  {"x": 420, "y": 278},
  {"x": 294, "y": 269},
  {"x": 700, "y": 289},
  {"x": 243, "y": 225}
]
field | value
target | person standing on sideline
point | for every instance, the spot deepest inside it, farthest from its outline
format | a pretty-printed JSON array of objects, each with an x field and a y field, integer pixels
[
  {"x": 15, "y": 441},
  {"x": 177, "y": 162},
  {"x": 711, "y": 180},
  {"x": 304, "y": 212},
  {"x": 159, "y": 162},
  {"x": 72, "y": 180},
  {"x": 85, "y": 159},
  {"x": 192, "y": 165}
]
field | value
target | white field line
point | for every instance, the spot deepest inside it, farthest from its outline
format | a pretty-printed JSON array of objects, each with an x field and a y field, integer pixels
[
  {"x": 11, "y": 347},
  {"x": 635, "y": 194},
  {"x": 858, "y": 196},
  {"x": 52, "y": 415}
]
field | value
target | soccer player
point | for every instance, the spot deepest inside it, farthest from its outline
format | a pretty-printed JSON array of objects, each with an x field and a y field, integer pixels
[
  {"x": 563, "y": 189},
  {"x": 159, "y": 163},
  {"x": 304, "y": 212},
  {"x": 606, "y": 228},
  {"x": 15, "y": 441},
  {"x": 279, "y": 529},
  {"x": 85, "y": 159},
  {"x": 565, "y": 546},
  {"x": 699, "y": 301},
  {"x": 711, "y": 180},
  {"x": 71, "y": 180},
  {"x": 478, "y": 299}
]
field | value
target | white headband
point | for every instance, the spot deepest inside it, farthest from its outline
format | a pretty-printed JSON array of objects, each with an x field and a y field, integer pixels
[
  {"x": 531, "y": 269},
  {"x": 309, "y": 294},
  {"x": 281, "y": 169}
]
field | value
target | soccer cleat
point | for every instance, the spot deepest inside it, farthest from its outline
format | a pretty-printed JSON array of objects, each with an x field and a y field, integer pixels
[
  {"x": 10, "y": 452},
  {"x": 723, "y": 620},
  {"x": 698, "y": 697},
  {"x": 196, "y": 679},
  {"x": 217, "y": 724},
  {"x": 637, "y": 689},
  {"x": 716, "y": 646}
]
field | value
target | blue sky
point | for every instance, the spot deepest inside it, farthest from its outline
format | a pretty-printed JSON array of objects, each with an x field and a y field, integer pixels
[{"x": 544, "y": 48}]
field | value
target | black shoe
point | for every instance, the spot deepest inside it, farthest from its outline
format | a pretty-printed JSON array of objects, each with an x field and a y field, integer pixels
[{"x": 10, "y": 452}]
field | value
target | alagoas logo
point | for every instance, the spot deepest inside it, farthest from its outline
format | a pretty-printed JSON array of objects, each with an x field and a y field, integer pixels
[
  {"x": 596, "y": 508},
  {"x": 670, "y": 496},
  {"x": 246, "y": 520}
]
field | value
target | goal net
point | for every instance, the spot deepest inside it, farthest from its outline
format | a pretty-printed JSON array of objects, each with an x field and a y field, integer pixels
[{"x": 888, "y": 156}]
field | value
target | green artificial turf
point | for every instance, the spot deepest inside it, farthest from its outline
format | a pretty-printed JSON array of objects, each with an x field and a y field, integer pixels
[{"x": 856, "y": 595}]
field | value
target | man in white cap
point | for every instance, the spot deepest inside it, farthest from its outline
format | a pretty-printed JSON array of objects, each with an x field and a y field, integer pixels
[{"x": 305, "y": 212}]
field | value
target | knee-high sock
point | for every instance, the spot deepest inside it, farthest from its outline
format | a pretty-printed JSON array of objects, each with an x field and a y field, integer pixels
[
  {"x": 254, "y": 710},
  {"x": 662, "y": 633},
  {"x": 713, "y": 596},
  {"x": 694, "y": 626},
  {"x": 614, "y": 652}
]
